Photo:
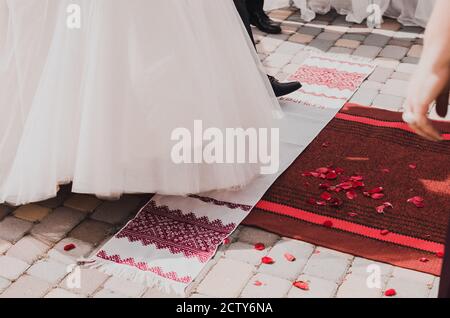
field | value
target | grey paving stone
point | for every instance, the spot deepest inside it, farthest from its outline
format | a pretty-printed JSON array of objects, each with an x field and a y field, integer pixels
[
  {"x": 381, "y": 74},
  {"x": 244, "y": 252},
  {"x": 116, "y": 212},
  {"x": 394, "y": 52},
  {"x": 28, "y": 249},
  {"x": 277, "y": 60},
  {"x": 318, "y": 288},
  {"x": 407, "y": 68},
  {"x": 327, "y": 265},
  {"x": 4, "y": 283},
  {"x": 356, "y": 286},
  {"x": 157, "y": 293},
  {"x": 82, "y": 202},
  {"x": 367, "y": 51},
  {"x": 60, "y": 293},
  {"x": 125, "y": 287},
  {"x": 91, "y": 231},
  {"x": 340, "y": 50},
  {"x": 413, "y": 276},
  {"x": 227, "y": 279},
  {"x": 321, "y": 45},
  {"x": 389, "y": 102},
  {"x": 57, "y": 224},
  {"x": 407, "y": 288},
  {"x": 411, "y": 60},
  {"x": 282, "y": 267},
  {"x": 253, "y": 236},
  {"x": 13, "y": 229},
  {"x": 82, "y": 250},
  {"x": 365, "y": 96},
  {"x": 376, "y": 40},
  {"x": 106, "y": 293},
  {"x": 27, "y": 287},
  {"x": 272, "y": 287},
  {"x": 84, "y": 281},
  {"x": 4, "y": 211},
  {"x": 401, "y": 76},
  {"x": 395, "y": 87},
  {"x": 289, "y": 48},
  {"x": 314, "y": 31},
  {"x": 354, "y": 37},
  {"x": 365, "y": 267},
  {"x": 48, "y": 270},
  {"x": 11, "y": 268},
  {"x": 4, "y": 246},
  {"x": 329, "y": 36}
]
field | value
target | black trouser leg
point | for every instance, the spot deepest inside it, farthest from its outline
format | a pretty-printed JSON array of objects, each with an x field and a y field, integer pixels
[
  {"x": 444, "y": 288},
  {"x": 255, "y": 6},
  {"x": 241, "y": 6}
]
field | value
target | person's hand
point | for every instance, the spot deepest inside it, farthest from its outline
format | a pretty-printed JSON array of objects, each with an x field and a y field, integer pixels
[{"x": 417, "y": 105}]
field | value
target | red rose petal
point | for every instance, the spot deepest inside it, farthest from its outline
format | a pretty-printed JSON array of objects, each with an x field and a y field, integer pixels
[
  {"x": 357, "y": 184},
  {"x": 258, "y": 283},
  {"x": 306, "y": 174},
  {"x": 346, "y": 185},
  {"x": 388, "y": 205},
  {"x": 321, "y": 203},
  {"x": 69, "y": 247},
  {"x": 385, "y": 170},
  {"x": 323, "y": 170},
  {"x": 385, "y": 232},
  {"x": 412, "y": 166},
  {"x": 326, "y": 196},
  {"x": 328, "y": 224},
  {"x": 352, "y": 214},
  {"x": 267, "y": 260},
  {"x": 390, "y": 292},
  {"x": 440, "y": 254},
  {"x": 331, "y": 175},
  {"x": 226, "y": 241},
  {"x": 326, "y": 144},
  {"x": 417, "y": 201},
  {"x": 311, "y": 201},
  {"x": 351, "y": 195},
  {"x": 377, "y": 196},
  {"x": 289, "y": 257},
  {"x": 356, "y": 178},
  {"x": 324, "y": 186},
  {"x": 376, "y": 190},
  {"x": 336, "y": 202},
  {"x": 339, "y": 170},
  {"x": 301, "y": 285},
  {"x": 315, "y": 174},
  {"x": 424, "y": 260},
  {"x": 380, "y": 209},
  {"x": 260, "y": 247}
]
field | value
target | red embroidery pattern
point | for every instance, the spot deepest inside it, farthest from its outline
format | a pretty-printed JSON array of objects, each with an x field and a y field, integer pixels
[
  {"x": 177, "y": 232},
  {"x": 143, "y": 267},
  {"x": 322, "y": 95},
  {"x": 229, "y": 205},
  {"x": 329, "y": 77},
  {"x": 341, "y": 62}
]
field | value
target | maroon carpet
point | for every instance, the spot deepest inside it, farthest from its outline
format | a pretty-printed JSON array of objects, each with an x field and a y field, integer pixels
[{"x": 367, "y": 186}]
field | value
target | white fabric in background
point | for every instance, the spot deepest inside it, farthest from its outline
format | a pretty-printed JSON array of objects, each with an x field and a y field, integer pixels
[
  {"x": 408, "y": 12},
  {"x": 97, "y": 105}
]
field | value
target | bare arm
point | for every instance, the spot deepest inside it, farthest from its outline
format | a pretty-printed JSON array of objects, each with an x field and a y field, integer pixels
[{"x": 433, "y": 73}]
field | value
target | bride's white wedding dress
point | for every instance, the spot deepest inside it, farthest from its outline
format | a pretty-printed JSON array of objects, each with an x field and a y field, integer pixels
[{"x": 97, "y": 105}]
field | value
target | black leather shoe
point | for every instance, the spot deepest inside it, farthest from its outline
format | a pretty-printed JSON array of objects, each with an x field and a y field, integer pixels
[
  {"x": 282, "y": 89},
  {"x": 264, "y": 23}
]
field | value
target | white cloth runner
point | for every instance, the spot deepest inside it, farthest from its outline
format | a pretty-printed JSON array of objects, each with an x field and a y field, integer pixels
[
  {"x": 408, "y": 12},
  {"x": 171, "y": 239}
]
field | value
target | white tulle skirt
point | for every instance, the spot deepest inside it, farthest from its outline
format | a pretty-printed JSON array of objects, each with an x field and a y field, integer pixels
[{"x": 96, "y": 106}]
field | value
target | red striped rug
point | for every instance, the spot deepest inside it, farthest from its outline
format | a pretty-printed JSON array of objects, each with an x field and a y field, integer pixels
[{"x": 323, "y": 197}]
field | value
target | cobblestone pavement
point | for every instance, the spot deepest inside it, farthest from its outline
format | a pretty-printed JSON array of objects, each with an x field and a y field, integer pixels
[{"x": 33, "y": 262}]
